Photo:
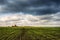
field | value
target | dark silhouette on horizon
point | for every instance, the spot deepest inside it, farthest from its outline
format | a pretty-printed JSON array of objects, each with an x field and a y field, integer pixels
[{"x": 14, "y": 25}]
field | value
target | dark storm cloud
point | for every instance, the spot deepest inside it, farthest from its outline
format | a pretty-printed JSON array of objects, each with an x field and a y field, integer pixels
[
  {"x": 2, "y": 1},
  {"x": 32, "y": 6}
]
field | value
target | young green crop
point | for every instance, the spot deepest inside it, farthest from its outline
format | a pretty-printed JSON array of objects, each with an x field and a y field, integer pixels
[{"x": 29, "y": 33}]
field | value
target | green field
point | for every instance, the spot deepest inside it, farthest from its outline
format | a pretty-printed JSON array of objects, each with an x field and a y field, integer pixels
[{"x": 29, "y": 33}]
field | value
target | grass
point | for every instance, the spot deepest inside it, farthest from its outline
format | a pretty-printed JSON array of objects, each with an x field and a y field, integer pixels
[{"x": 29, "y": 33}]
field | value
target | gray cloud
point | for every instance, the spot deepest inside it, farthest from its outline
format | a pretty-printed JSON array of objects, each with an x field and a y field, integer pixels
[{"x": 27, "y": 19}]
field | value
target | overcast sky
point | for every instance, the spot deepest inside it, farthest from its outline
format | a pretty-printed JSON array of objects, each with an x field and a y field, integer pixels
[{"x": 29, "y": 12}]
